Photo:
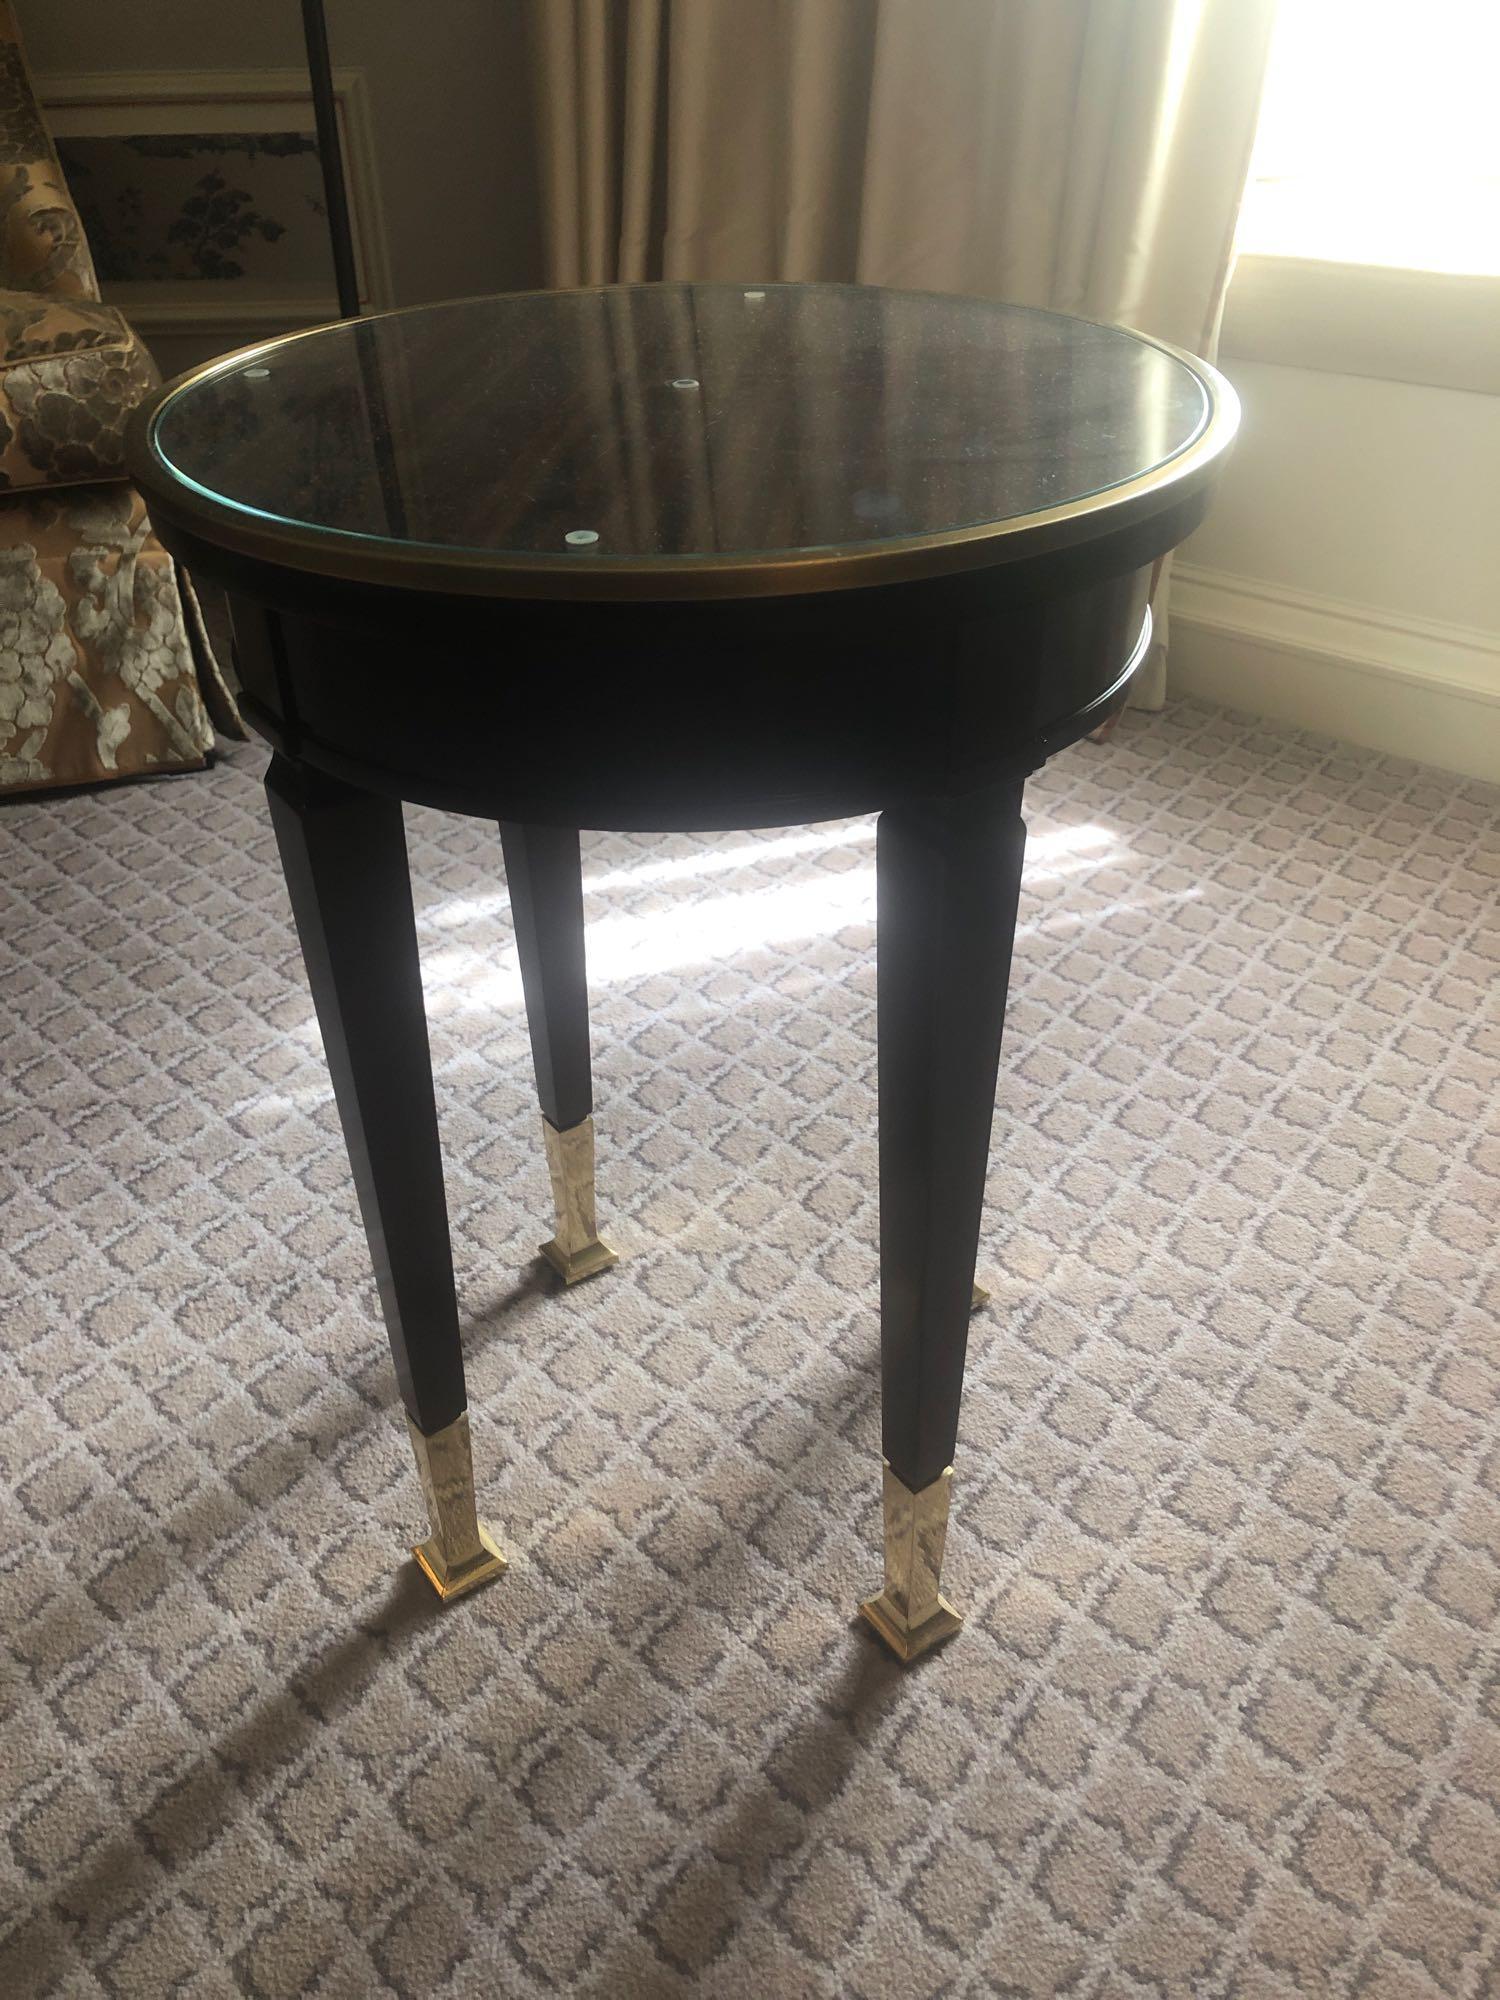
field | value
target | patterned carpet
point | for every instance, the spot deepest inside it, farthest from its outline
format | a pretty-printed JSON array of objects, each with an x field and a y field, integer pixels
[{"x": 1225, "y": 1719}]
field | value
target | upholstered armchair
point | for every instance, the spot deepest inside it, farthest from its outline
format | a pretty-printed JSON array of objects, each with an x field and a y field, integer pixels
[{"x": 105, "y": 667}]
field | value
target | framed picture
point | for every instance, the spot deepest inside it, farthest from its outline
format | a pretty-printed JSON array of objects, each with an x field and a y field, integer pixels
[{"x": 201, "y": 193}]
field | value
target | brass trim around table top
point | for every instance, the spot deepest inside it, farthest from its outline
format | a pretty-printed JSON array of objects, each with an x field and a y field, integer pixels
[{"x": 357, "y": 558}]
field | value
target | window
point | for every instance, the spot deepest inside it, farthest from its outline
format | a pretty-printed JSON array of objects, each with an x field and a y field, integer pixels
[{"x": 1379, "y": 138}]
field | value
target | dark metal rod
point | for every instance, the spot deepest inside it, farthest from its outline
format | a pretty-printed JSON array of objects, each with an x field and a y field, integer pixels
[{"x": 330, "y": 155}]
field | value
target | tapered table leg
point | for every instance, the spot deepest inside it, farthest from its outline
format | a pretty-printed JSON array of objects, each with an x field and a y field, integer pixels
[
  {"x": 948, "y": 881},
  {"x": 545, "y": 877},
  {"x": 344, "y": 855}
]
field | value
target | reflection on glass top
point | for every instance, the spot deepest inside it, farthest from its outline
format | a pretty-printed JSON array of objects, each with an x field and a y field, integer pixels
[{"x": 681, "y": 421}]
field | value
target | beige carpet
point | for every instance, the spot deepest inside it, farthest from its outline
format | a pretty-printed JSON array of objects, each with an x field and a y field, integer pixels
[{"x": 1225, "y": 1719}]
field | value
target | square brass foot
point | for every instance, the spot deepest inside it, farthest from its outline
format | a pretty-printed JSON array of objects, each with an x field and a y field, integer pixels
[
  {"x": 452, "y": 1580},
  {"x": 575, "y": 1252},
  {"x": 980, "y": 1299},
  {"x": 907, "y": 1641},
  {"x": 573, "y": 1266},
  {"x": 461, "y": 1552},
  {"x": 910, "y": 1614}
]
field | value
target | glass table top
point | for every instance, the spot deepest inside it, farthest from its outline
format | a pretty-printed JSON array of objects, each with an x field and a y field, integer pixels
[{"x": 673, "y": 427}]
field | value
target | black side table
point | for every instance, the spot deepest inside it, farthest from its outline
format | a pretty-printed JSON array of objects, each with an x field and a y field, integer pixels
[{"x": 670, "y": 557}]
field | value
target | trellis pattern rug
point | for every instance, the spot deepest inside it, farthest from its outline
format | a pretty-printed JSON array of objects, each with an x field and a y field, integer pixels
[{"x": 1225, "y": 1717}]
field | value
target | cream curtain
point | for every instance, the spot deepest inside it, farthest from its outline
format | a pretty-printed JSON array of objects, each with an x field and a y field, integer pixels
[{"x": 1083, "y": 154}]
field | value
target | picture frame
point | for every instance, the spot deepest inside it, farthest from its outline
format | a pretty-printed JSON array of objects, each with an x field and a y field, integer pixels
[{"x": 201, "y": 192}]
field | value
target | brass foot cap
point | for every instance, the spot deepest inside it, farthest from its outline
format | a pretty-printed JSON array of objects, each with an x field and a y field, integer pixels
[
  {"x": 980, "y": 1299},
  {"x": 907, "y": 1641},
  {"x": 452, "y": 1580},
  {"x": 573, "y": 1266}
]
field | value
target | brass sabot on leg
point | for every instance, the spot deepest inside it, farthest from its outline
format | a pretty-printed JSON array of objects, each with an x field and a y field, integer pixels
[
  {"x": 576, "y": 1251},
  {"x": 461, "y": 1553},
  {"x": 910, "y": 1614}
]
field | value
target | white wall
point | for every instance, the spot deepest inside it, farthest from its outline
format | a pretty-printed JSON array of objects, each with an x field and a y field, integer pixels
[
  {"x": 1381, "y": 492},
  {"x": 1348, "y": 578}
]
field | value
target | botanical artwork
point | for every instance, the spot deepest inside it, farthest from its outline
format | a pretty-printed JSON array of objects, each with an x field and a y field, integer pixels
[{"x": 220, "y": 206}]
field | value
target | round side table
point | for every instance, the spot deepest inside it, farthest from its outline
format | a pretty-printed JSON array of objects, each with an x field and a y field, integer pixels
[{"x": 680, "y": 557}]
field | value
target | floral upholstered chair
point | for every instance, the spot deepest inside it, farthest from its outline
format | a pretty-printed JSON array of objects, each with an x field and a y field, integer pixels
[{"x": 105, "y": 666}]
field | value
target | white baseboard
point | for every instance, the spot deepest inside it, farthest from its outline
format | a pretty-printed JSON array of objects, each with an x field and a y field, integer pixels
[{"x": 1411, "y": 686}]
